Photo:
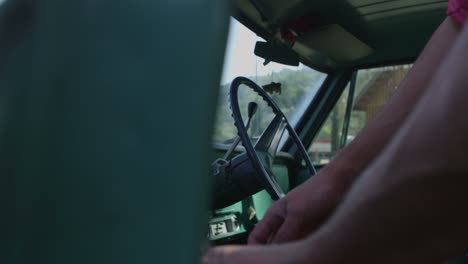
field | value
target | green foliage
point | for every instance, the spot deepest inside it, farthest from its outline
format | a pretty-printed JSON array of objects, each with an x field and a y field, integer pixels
[{"x": 296, "y": 84}]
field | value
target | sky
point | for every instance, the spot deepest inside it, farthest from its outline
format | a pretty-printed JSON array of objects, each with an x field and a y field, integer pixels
[{"x": 239, "y": 58}]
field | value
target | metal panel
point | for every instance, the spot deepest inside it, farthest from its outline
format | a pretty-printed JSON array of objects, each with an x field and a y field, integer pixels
[{"x": 107, "y": 112}]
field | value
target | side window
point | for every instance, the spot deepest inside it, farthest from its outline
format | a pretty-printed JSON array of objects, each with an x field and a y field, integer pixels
[
  {"x": 327, "y": 142},
  {"x": 370, "y": 92}
]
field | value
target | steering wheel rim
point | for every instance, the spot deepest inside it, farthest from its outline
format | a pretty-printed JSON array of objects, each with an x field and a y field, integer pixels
[{"x": 269, "y": 138}]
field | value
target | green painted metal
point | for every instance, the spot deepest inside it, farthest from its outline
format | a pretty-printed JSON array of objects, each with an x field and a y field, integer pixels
[
  {"x": 319, "y": 109},
  {"x": 349, "y": 109},
  {"x": 259, "y": 202},
  {"x": 106, "y": 110}
]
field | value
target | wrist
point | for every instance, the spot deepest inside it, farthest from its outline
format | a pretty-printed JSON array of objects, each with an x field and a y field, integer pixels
[{"x": 337, "y": 178}]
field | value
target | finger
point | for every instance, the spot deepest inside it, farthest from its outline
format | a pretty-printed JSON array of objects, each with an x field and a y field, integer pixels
[
  {"x": 266, "y": 229},
  {"x": 295, "y": 228},
  {"x": 220, "y": 255},
  {"x": 271, "y": 222},
  {"x": 252, "y": 254},
  {"x": 290, "y": 230},
  {"x": 237, "y": 254}
]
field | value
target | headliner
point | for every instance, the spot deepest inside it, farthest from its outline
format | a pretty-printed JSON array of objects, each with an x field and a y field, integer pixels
[{"x": 352, "y": 33}]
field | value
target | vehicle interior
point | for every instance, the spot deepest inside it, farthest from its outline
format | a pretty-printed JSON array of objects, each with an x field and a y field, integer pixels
[
  {"x": 357, "y": 52},
  {"x": 121, "y": 142}
]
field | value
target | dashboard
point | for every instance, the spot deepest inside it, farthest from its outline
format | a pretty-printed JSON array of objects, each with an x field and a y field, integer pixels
[{"x": 233, "y": 223}]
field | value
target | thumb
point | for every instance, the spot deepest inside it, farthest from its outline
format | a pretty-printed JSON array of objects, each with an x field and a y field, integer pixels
[
  {"x": 251, "y": 254},
  {"x": 223, "y": 255}
]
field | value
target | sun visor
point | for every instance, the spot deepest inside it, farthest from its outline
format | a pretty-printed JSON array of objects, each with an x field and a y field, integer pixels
[{"x": 336, "y": 43}]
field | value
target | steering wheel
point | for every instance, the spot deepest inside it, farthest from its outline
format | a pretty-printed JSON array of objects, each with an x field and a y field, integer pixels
[{"x": 263, "y": 153}]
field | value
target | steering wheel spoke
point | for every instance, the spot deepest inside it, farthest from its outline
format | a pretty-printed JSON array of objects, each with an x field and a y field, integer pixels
[{"x": 267, "y": 145}]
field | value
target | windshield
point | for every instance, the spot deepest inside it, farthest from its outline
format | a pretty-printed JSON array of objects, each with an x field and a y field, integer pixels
[{"x": 298, "y": 84}]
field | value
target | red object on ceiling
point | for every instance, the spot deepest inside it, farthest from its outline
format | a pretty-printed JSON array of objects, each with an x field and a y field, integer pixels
[{"x": 303, "y": 24}]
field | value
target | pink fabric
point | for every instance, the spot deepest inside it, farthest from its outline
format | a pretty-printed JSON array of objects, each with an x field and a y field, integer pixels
[{"x": 458, "y": 10}]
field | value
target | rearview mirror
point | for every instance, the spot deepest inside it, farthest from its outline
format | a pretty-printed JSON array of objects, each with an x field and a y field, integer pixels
[{"x": 276, "y": 53}]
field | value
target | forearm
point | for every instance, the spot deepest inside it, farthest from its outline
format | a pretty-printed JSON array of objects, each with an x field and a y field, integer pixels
[
  {"x": 408, "y": 205},
  {"x": 353, "y": 159}
]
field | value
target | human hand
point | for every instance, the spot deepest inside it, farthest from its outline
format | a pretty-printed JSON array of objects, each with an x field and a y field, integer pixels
[
  {"x": 290, "y": 219},
  {"x": 286, "y": 253},
  {"x": 301, "y": 211}
]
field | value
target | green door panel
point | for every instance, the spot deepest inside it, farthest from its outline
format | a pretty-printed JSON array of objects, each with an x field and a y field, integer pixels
[{"x": 106, "y": 112}]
